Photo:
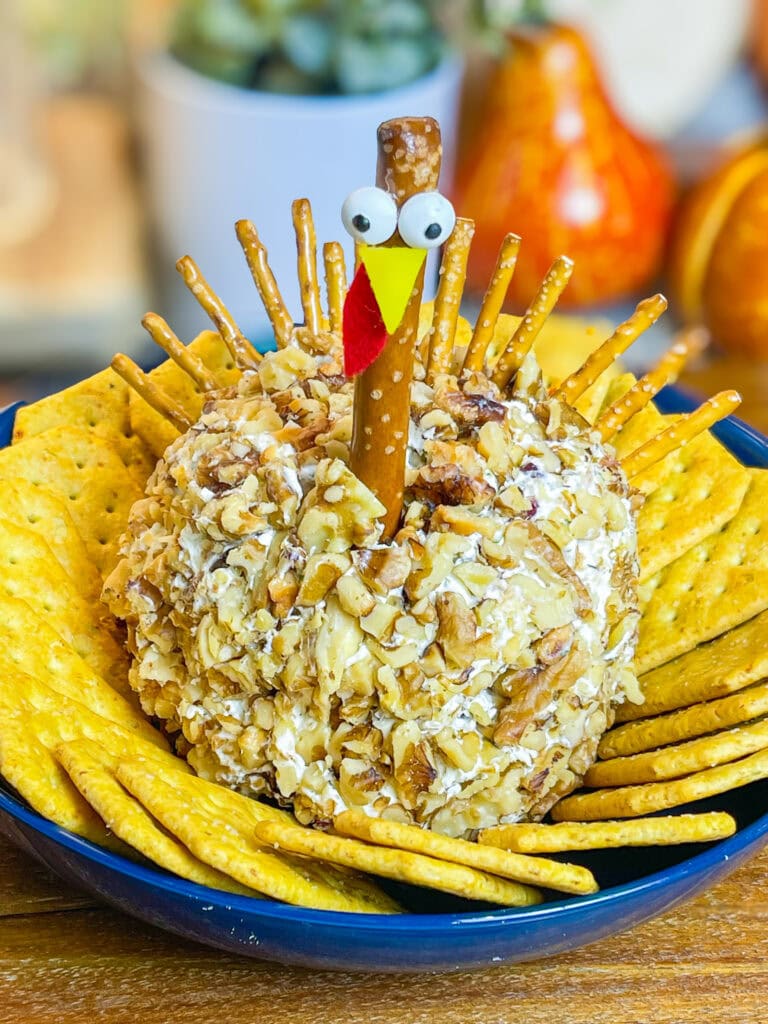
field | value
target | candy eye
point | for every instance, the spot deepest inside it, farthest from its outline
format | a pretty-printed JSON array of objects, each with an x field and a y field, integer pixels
[
  {"x": 426, "y": 220},
  {"x": 369, "y": 215}
]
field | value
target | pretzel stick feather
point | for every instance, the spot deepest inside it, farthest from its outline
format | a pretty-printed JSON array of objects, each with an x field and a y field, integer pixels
[
  {"x": 680, "y": 433},
  {"x": 493, "y": 300},
  {"x": 152, "y": 394},
  {"x": 244, "y": 354},
  {"x": 264, "y": 279}
]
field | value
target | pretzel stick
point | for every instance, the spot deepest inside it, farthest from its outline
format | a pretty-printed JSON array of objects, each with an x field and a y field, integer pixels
[
  {"x": 306, "y": 248},
  {"x": 647, "y": 312},
  {"x": 453, "y": 273},
  {"x": 493, "y": 300},
  {"x": 409, "y": 162},
  {"x": 519, "y": 345},
  {"x": 680, "y": 433},
  {"x": 153, "y": 395},
  {"x": 191, "y": 364},
  {"x": 665, "y": 372},
  {"x": 264, "y": 279},
  {"x": 244, "y": 354},
  {"x": 335, "y": 283}
]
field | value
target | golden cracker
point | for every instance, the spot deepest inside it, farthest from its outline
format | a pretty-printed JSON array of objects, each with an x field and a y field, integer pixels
[
  {"x": 732, "y": 661},
  {"x": 633, "y": 801},
  {"x": 127, "y": 819},
  {"x": 154, "y": 430},
  {"x": 717, "y": 585},
  {"x": 29, "y": 572},
  {"x": 681, "y": 759},
  {"x": 215, "y": 841},
  {"x": 39, "y": 510},
  {"x": 86, "y": 474},
  {"x": 28, "y": 766},
  {"x": 243, "y": 813},
  {"x": 98, "y": 405},
  {"x": 690, "y": 495},
  {"x": 49, "y": 659},
  {"x": 599, "y": 835},
  {"x": 698, "y": 720},
  {"x": 400, "y": 865},
  {"x": 550, "y": 874},
  {"x": 55, "y": 718}
]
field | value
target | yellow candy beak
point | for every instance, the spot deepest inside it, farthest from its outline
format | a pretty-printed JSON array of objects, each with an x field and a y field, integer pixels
[{"x": 392, "y": 271}]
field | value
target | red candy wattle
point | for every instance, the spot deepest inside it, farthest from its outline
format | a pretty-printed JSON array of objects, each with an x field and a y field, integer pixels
[{"x": 364, "y": 332}]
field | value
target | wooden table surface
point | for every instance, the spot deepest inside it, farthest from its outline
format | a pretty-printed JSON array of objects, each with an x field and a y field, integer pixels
[{"x": 64, "y": 960}]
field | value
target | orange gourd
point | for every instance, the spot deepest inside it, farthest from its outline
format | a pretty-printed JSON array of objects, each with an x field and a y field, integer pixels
[
  {"x": 551, "y": 160},
  {"x": 718, "y": 258}
]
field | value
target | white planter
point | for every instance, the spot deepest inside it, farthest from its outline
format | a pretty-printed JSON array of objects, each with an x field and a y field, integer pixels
[{"x": 214, "y": 153}]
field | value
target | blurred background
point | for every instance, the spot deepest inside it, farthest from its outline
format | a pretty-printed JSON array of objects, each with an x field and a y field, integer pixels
[{"x": 631, "y": 136}]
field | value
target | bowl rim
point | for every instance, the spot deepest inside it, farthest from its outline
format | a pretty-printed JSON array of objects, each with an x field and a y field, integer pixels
[
  {"x": 713, "y": 856},
  {"x": 734, "y": 433}
]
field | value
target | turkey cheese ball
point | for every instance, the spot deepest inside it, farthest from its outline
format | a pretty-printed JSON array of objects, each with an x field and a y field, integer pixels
[{"x": 458, "y": 676}]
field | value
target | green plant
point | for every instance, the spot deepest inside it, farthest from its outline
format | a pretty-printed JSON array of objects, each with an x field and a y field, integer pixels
[{"x": 310, "y": 46}]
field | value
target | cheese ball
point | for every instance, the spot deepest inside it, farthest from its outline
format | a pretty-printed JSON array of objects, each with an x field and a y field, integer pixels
[{"x": 457, "y": 676}]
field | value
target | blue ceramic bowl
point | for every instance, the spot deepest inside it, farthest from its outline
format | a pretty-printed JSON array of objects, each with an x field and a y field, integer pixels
[{"x": 440, "y": 933}]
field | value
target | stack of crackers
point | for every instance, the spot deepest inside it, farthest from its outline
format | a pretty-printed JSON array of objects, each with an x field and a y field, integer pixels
[{"x": 76, "y": 746}]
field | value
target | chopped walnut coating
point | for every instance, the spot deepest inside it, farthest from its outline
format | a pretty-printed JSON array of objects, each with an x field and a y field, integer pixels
[{"x": 458, "y": 676}]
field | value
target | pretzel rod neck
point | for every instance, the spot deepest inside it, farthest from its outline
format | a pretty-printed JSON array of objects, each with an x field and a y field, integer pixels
[{"x": 408, "y": 162}]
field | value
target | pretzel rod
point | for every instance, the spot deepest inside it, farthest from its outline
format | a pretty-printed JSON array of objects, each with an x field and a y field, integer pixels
[
  {"x": 408, "y": 162},
  {"x": 264, "y": 279},
  {"x": 665, "y": 372},
  {"x": 493, "y": 300},
  {"x": 306, "y": 249},
  {"x": 153, "y": 395},
  {"x": 519, "y": 345},
  {"x": 244, "y": 354},
  {"x": 453, "y": 273},
  {"x": 192, "y": 365},
  {"x": 680, "y": 433},
  {"x": 647, "y": 313},
  {"x": 335, "y": 283}
]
